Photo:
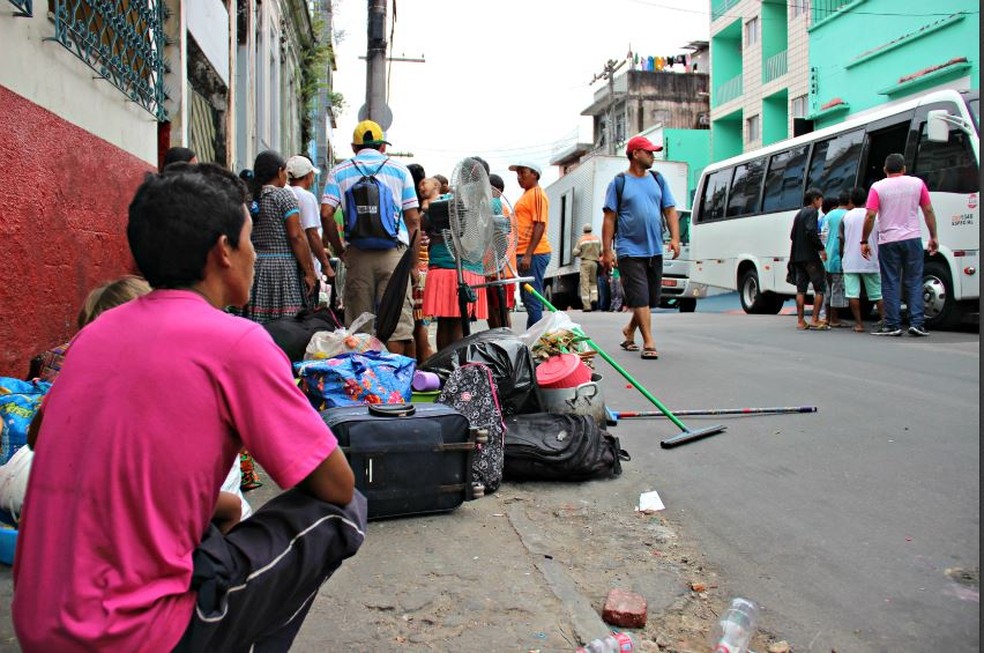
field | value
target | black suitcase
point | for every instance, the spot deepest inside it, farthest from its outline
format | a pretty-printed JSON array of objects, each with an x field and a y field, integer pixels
[{"x": 408, "y": 459}]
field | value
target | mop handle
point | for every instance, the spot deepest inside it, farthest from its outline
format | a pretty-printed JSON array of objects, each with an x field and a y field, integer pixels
[
  {"x": 628, "y": 414},
  {"x": 611, "y": 361}
]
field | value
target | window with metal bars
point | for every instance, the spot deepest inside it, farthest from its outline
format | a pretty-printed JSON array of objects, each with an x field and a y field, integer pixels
[{"x": 122, "y": 41}]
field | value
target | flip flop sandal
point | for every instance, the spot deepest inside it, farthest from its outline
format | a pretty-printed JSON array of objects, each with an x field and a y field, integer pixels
[
  {"x": 649, "y": 354},
  {"x": 628, "y": 345},
  {"x": 819, "y": 327}
]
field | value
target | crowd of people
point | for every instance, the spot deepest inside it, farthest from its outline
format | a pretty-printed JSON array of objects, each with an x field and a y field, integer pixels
[{"x": 833, "y": 250}]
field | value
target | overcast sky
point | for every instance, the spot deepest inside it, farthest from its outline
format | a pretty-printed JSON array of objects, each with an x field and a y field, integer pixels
[{"x": 505, "y": 80}]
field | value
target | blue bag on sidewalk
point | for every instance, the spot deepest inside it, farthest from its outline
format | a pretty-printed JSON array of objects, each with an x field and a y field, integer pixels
[
  {"x": 19, "y": 401},
  {"x": 353, "y": 379}
]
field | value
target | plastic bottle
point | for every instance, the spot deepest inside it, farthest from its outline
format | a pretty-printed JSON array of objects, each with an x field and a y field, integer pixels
[
  {"x": 614, "y": 643},
  {"x": 734, "y": 630}
]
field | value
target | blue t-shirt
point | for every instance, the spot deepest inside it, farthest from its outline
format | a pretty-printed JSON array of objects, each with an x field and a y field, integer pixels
[
  {"x": 640, "y": 218},
  {"x": 831, "y": 223}
]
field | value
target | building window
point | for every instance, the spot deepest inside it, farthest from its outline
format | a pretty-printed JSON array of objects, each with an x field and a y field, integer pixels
[
  {"x": 797, "y": 107},
  {"x": 798, "y": 7},
  {"x": 753, "y": 129},
  {"x": 752, "y": 32}
]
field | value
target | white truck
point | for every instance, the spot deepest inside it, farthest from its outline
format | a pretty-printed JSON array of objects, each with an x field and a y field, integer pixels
[{"x": 577, "y": 198}]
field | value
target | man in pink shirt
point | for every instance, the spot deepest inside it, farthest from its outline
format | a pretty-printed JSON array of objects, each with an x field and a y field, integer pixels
[
  {"x": 123, "y": 544},
  {"x": 896, "y": 200}
]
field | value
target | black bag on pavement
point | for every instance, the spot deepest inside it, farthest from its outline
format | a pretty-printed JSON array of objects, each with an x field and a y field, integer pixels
[
  {"x": 293, "y": 332},
  {"x": 507, "y": 357},
  {"x": 560, "y": 447},
  {"x": 408, "y": 459}
]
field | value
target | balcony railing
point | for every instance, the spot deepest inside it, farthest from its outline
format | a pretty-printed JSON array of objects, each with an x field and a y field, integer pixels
[
  {"x": 25, "y": 8},
  {"x": 721, "y": 7},
  {"x": 728, "y": 91},
  {"x": 124, "y": 47},
  {"x": 824, "y": 9},
  {"x": 775, "y": 67}
]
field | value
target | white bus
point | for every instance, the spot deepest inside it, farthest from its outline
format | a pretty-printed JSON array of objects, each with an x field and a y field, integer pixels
[{"x": 744, "y": 206}]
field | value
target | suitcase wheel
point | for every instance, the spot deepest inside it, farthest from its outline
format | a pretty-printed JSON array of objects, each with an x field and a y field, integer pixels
[
  {"x": 478, "y": 490},
  {"x": 481, "y": 436}
]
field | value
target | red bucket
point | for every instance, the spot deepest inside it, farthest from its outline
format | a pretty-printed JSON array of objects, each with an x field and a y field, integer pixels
[{"x": 562, "y": 371}]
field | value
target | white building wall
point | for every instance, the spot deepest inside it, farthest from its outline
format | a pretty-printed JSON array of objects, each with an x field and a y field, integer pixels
[{"x": 52, "y": 77}]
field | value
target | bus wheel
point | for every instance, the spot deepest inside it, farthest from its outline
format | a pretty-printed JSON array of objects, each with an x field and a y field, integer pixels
[
  {"x": 750, "y": 293},
  {"x": 939, "y": 306},
  {"x": 687, "y": 304}
]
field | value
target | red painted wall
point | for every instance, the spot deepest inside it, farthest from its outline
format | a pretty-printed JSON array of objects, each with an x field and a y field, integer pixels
[{"x": 63, "y": 200}]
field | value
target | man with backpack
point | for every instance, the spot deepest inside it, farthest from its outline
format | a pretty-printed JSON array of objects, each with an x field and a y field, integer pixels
[
  {"x": 635, "y": 204},
  {"x": 379, "y": 201}
]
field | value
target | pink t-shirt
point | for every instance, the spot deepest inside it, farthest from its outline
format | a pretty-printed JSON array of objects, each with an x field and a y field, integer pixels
[
  {"x": 129, "y": 463},
  {"x": 896, "y": 200}
]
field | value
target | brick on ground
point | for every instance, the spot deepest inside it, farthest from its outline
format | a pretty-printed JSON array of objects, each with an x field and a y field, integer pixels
[{"x": 624, "y": 609}]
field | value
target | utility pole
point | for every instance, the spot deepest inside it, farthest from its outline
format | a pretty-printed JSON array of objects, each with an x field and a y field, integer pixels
[
  {"x": 375, "y": 107},
  {"x": 609, "y": 74}
]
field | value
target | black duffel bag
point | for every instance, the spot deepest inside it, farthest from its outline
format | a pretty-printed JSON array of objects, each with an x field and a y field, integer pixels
[
  {"x": 509, "y": 359},
  {"x": 293, "y": 332},
  {"x": 560, "y": 447}
]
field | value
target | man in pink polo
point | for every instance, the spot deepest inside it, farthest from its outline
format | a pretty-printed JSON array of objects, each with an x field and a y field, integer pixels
[
  {"x": 897, "y": 200},
  {"x": 122, "y": 544}
]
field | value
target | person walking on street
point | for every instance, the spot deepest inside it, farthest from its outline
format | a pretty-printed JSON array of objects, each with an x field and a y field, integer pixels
[
  {"x": 896, "y": 201},
  {"x": 532, "y": 245},
  {"x": 300, "y": 175},
  {"x": 371, "y": 261},
  {"x": 589, "y": 249},
  {"x": 807, "y": 254},
  {"x": 858, "y": 269},
  {"x": 635, "y": 204}
]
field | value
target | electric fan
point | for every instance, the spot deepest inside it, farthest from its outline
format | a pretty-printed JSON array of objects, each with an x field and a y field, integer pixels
[{"x": 471, "y": 227}]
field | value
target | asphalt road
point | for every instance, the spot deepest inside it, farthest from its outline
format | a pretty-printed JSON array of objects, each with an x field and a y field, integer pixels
[{"x": 857, "y": 528}]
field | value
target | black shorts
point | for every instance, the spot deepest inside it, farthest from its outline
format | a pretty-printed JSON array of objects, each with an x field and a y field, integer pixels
[
  {"x": 810, "y": 272},
  {"x": 642, "y": 279}
]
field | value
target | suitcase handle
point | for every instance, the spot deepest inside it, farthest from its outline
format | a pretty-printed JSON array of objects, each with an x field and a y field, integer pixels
[{"x": 392, "y": 410}]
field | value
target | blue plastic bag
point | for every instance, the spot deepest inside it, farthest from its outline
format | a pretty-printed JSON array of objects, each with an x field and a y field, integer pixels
[
  {"x": 353, "y": 379},
  {"x": 19, "y": 401}
]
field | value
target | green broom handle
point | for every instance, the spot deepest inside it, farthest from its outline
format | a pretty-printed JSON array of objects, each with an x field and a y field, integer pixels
[{"x": 611, "y": 361}]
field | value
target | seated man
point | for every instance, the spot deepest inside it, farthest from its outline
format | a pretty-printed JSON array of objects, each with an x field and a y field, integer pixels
[{"x": 120, "y": 543}]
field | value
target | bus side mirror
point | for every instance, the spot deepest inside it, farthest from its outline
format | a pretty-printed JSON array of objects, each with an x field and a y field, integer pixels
[{"x": 937, "y": 127}]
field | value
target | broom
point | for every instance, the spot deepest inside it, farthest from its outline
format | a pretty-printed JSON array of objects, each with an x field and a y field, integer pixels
[{"x": 686, "y": 435}]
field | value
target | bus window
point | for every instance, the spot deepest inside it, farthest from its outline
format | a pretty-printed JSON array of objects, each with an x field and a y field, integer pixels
[
  {"x": 746, "y": 188},
  {"x": 946, "y": 167},
  {"x": 784, "y": 181},
  {"x": 715, "y": 192},
  {"x": 834, "y": 165}
]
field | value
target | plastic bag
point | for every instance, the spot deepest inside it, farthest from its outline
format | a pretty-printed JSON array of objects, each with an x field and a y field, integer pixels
[
  {"x": 507, "y": 357},
  {"x": 19, "y": 401},
  {"x": 327, "y": 344},
  {"x": 555, "y": 333},
  {"x": 550, "y": 322},
  {"x": 353, "y": 379},
  {"x": 13, "y": 481}
]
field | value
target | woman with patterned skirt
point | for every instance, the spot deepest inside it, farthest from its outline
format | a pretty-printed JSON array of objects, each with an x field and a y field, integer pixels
[{"x": 284, "y": 275}]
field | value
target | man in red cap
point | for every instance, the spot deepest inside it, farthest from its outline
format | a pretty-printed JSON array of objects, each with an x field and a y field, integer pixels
[{"x": 635, "y": 204}]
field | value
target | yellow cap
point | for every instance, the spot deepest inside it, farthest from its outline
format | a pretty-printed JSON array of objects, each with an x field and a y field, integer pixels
[{"x": 368, "y": 132}]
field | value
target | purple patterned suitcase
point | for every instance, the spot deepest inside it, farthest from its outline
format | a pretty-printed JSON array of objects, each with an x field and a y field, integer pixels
[{"x": 471, "y": 390}]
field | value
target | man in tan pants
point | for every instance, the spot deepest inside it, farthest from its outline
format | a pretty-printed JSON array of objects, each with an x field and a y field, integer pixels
[{"x": 589, "y": 249}]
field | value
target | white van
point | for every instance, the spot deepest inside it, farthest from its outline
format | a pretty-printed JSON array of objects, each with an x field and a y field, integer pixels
[{"x": 679, "y": 291}]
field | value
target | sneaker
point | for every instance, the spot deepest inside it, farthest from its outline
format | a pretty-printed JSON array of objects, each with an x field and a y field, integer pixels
[
  {"x": 887, "y": 331},
  {"x": 918, "y": 331}
]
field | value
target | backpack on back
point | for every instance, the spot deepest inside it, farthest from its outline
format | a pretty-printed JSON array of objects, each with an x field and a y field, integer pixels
[{"x": 371, "y": 217}]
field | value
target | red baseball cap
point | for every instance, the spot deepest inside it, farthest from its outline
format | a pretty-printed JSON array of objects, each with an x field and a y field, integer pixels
[{"x": 641, "y": 143}]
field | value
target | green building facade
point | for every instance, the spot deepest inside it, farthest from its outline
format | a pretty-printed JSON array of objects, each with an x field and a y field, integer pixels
[{"x": 866, "y": 53}]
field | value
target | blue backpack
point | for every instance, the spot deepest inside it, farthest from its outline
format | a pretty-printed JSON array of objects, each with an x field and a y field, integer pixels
[{"x": 371, "y": 217}]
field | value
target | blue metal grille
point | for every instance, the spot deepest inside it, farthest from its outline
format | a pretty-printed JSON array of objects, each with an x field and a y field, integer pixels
[
  {"x": 123, "y": 41},
  {"x": 25, "y": 8}
]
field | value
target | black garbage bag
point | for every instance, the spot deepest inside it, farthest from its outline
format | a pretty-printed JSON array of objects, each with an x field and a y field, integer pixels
[
  {"x": 292, "y": 333},
  {"x": 506, "y": 355}
]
